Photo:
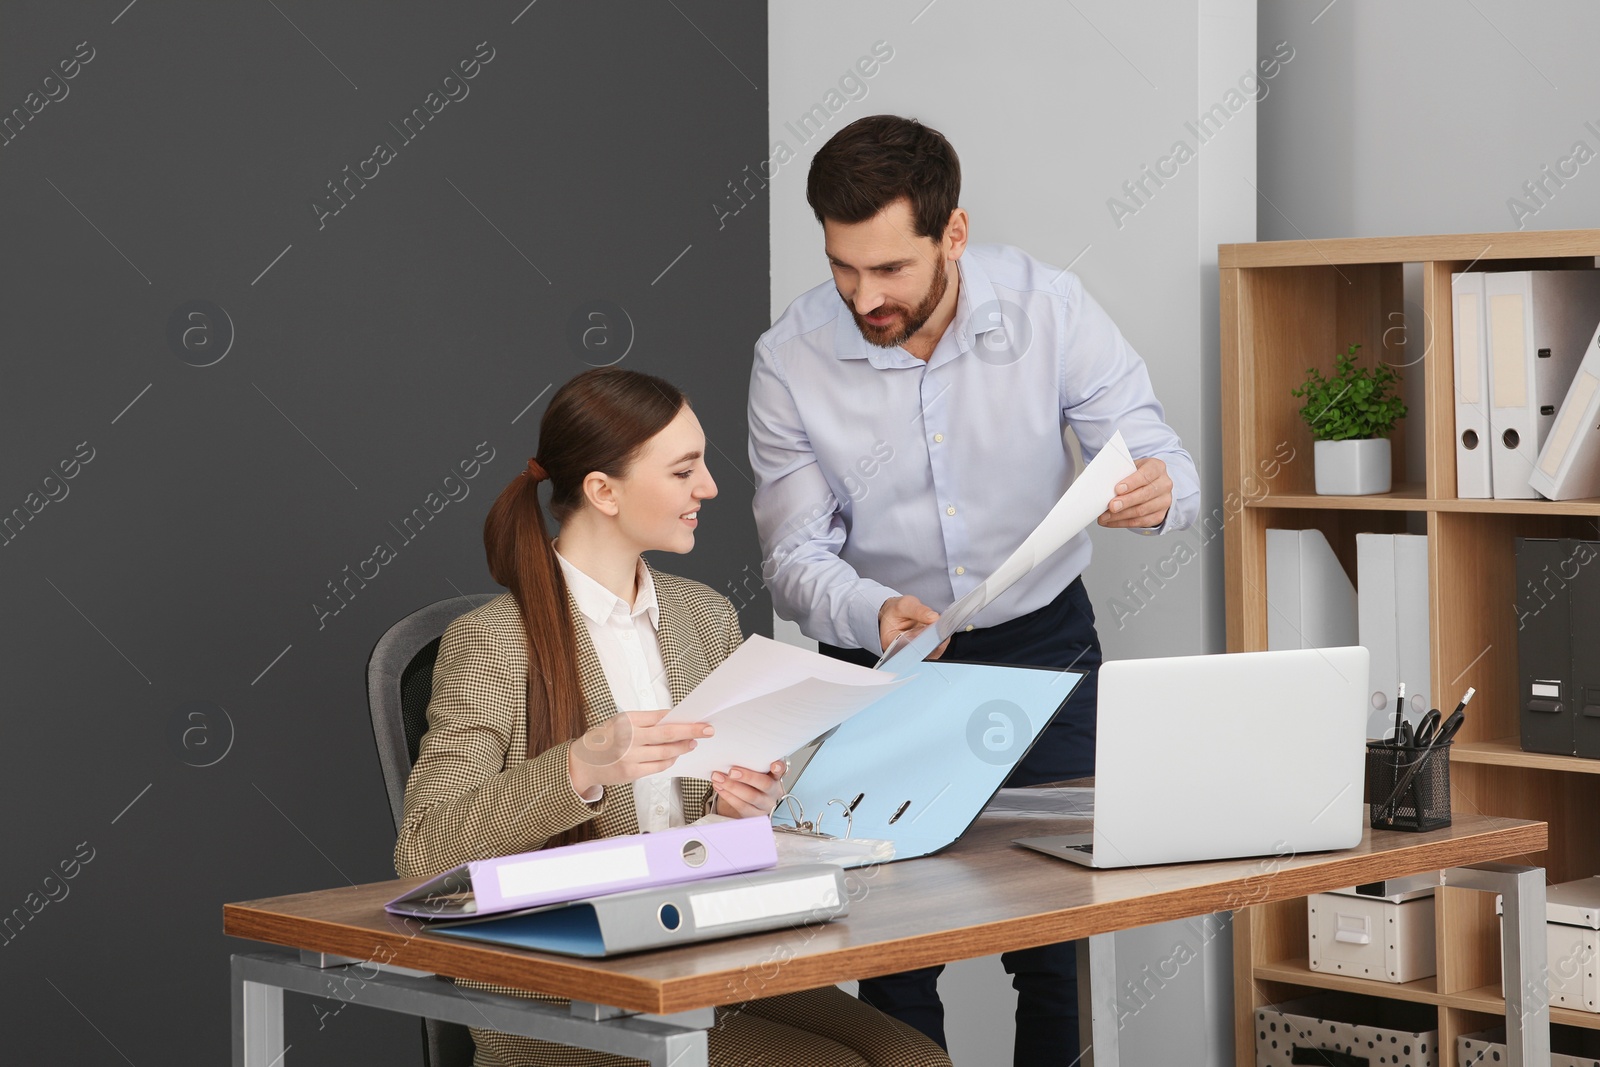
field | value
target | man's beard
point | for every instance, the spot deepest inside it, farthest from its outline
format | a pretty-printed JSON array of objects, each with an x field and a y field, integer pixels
[{"x": 899, "y": 332}]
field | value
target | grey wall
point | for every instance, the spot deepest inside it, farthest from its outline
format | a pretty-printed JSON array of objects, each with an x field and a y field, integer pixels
[
  {"x": 183, "y": 705},
  {"x": 1430, "y": 117},
  {"x": 1052, "y": 107}
]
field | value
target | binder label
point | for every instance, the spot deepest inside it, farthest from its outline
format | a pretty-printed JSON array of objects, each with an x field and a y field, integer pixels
[
  {"x": 545, "y": 874},
  {"x": 1507, "y": 351},
  {"x": 1468, "y": 388},
  {"x": 1573, "y": 414},
  {"x": 726, "y": 906}
]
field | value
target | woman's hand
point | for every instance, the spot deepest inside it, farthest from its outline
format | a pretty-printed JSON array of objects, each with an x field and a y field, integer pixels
[
  {"x": 743, "y": 793},
  {"x": 628, "y": 746}
]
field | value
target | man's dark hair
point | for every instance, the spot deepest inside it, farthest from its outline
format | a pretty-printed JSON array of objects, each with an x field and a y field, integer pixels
[{"x": 875, "y": 161}]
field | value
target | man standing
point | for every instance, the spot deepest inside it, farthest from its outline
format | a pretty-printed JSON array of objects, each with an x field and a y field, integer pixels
[{"x": 906, "y": 434}]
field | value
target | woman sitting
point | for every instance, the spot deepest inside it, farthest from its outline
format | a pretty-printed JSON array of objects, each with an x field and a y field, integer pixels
[{"x": 547, "y": 700}]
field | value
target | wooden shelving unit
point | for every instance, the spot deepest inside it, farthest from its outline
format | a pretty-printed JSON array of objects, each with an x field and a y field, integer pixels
[{"x": 1288, "y": 305}]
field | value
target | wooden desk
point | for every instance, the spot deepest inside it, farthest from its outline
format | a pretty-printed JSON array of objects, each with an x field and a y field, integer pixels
[{"x": 981, "y": 896}]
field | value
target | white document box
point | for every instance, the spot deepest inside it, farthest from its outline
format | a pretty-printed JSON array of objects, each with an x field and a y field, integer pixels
[
  {"x": 1572, "y": 911},
  {"x": 1385, "y": 938}
]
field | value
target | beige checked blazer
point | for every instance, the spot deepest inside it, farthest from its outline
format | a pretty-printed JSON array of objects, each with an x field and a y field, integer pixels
[{"x": 474, "y": 793}]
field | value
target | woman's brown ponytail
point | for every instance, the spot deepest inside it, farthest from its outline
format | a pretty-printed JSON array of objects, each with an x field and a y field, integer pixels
[{"x": 598, "y": 421}]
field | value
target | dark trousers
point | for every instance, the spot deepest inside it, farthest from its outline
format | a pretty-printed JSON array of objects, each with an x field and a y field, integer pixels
[{"x": 1060, "y": 634}]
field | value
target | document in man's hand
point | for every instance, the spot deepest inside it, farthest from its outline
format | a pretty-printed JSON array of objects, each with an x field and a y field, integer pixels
[
  {"x": 1084, "y": 501},
  {"x": 767, "y": 700}
]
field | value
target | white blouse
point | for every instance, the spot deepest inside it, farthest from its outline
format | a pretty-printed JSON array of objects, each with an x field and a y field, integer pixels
[{"x": 626, "y": 640}]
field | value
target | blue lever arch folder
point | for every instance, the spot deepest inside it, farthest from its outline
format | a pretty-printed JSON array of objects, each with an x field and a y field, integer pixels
[{"x": 918, "y": 766}]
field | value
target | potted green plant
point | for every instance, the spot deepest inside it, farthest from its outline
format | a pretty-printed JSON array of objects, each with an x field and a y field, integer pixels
[{"x": 1351, "y": 416}]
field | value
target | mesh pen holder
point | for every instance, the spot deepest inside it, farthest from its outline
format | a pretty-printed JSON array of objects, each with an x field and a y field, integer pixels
[{"x": 1408, "y": 789}]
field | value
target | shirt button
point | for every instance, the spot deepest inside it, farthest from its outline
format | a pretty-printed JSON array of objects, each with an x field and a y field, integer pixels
[
  {"x": 961, "y": 570},
  {"x": 661, "y": 809},
  {"x": 969, "y": 626},
  {"x": 951, "y": 510},
  {"x": 938, "y": 438}
]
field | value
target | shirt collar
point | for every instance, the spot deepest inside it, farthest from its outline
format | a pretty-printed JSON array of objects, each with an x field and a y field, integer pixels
[
  {"x": 599, "y": 603},
  {"x": 975, "y": 291}
]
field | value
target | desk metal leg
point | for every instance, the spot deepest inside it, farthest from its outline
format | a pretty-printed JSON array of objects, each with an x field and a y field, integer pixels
[
  {"x": 260, "y": 978},
  {"x": 257, "y": 1023},
  {"x": 1097, "y": 1001},
  {"x": 1523, "y": 951}
]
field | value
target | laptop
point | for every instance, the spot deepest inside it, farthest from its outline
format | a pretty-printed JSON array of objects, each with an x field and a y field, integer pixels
[{"x": 1218, "y": 757}]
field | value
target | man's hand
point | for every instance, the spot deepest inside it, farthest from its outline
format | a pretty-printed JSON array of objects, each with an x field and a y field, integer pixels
[
  {"x": 743, "y": 793},
  {"x": 906, "y": 615},
  {"x": 628, "y": 746},
  {"x": 1143, "y": 497}
]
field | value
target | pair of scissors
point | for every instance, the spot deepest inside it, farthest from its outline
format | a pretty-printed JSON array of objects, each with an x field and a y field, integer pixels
[
  {"x": 1428, "y": 728},
  {"x": 1451, "y": 725}
]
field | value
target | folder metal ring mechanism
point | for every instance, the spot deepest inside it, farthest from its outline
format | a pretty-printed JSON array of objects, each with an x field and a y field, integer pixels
[{"x": 797, "y": 812}]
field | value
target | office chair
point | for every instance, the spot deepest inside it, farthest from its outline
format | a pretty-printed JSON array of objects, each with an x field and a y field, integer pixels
[{"x": 399, "y": 683}]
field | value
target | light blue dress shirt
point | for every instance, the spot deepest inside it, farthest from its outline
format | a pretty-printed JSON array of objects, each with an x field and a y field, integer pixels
[{"x": 879, "y": 474}]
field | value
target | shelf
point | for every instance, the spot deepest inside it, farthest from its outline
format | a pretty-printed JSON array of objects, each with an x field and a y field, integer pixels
[
  {"x": 1487, "y": 999},
  {"x": 1507, "y": 752},
  {"x": 1518, "y": 507},
  {"x": 1528, "y": 244},
  {"x": 1406, "y": 497},
  {"x": 1299, "y": 972},
  {"x": 1414, "y": 497}
]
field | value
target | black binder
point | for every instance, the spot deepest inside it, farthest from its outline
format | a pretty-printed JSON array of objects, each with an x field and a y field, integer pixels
[
  {"x": 1585, "y": 674},
  {"x": 1558, "y": 645}
]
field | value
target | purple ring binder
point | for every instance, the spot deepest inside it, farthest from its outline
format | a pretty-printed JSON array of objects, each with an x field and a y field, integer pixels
[{"x": 591, "y": 868}]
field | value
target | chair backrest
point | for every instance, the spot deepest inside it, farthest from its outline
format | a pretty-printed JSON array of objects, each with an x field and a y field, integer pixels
[{"x": 399, "y": 683}]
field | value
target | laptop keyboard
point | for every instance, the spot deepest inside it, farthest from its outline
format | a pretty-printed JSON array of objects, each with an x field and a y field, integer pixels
[{"x": 1086, "y": 849}]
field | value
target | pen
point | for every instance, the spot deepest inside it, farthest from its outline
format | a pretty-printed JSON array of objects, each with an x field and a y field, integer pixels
[
  {"x": 1399, "y": 708},
  {"x": 1448, "y": 728}
]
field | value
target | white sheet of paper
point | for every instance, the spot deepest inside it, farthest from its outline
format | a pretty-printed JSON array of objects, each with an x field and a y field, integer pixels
[
  {"x": 767, "y": 700},
  {"x": 1084, "y": 501},
  {"x": 774, "y": 724},
  {"x": 761, "y": 665}
]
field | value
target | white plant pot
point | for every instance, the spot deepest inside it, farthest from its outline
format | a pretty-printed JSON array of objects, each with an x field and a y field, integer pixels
[{"x": 1353, "y": 468}]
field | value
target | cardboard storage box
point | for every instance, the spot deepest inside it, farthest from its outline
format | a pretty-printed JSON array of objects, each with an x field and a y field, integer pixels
[
  {"x": 1385, "y": 937},
  {"x": 1384, "y": 1033}
]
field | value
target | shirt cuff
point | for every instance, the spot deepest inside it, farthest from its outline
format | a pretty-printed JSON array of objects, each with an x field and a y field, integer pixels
[
  {"x": 1181, "y": 513},
  {"x": 1151, "y": 531},
  {"x": 865, "y": 602}
]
